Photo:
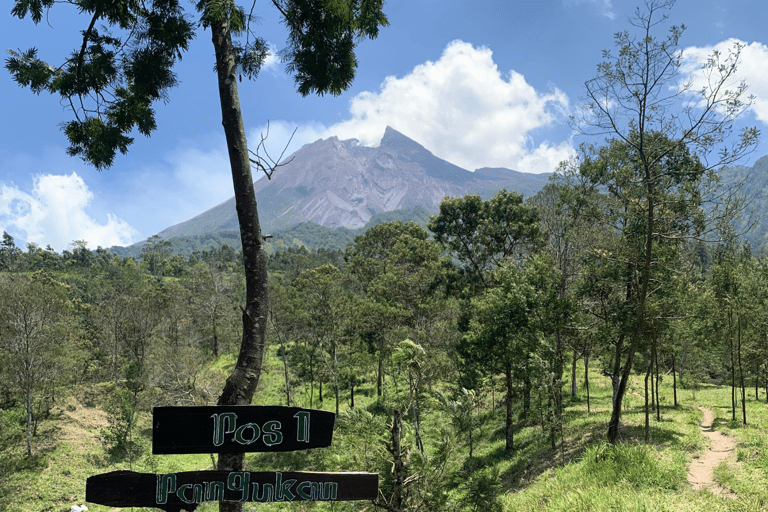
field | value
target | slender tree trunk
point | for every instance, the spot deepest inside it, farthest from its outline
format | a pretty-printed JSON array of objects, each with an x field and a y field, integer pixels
[
  {"x": 399, "y": 466},
  {"x": 509, "y": 432},
  {"x": 741, "y": 379},
  {"x": 285, "y": 363},
  {"x": 336, "y": 378},
  {"x": 613, "y": 423},
  {"x": 586, "y": 378},
  {"x": 380, "y": 372},
  {"x": 416, "y": 411},
  {"x": 557, "y": 389},
  {"x": 616, "y": 375},
  {"x": 28, "y": 400},
  {"x": 658, "y": 397},
  {"x": 757, "y": 381},
  {"x": 647, "y": 412},
  {"x": 674, "y": 381},
  {"x": 733, "y": 366},
  {"x": 765, "y": 381},
  {"x": 574, "y": 360},
  {"x": 653, "y": 390},
  {"x": 241, "y": 384},
  {"x": 215, "y": 341},
  {"x": 526, "y": 393}
]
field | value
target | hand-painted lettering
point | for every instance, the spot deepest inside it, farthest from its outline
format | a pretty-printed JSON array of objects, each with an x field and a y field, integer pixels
[
  {"x": 248, "y": 433},
  {"x": 219, "y": 428},
  {"x": 239, "y": 482},
  {"x": 272, "y": 435},
  {"x": 302, "y": 431},
  {"x": 240, "y": 433}
]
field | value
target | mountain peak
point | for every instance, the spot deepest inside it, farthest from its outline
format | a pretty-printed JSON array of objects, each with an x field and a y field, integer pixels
[
  {"x": 396, "y": 141},
  {"x": 336, "y": 182}
]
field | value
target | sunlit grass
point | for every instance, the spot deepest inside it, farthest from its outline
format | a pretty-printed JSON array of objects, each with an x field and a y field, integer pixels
[{"x": 581, "y": 474}]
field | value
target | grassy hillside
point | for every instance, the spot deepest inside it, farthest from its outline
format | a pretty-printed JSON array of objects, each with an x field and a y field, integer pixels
[{"x": 584, "y": 474}]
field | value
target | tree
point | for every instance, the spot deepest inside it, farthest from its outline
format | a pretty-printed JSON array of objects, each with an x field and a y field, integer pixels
[
  {"x": 481, "y": 234},
  {"x": 212, "y": 290},
  {"x": 639, "y": 99},
  {"x": 324, "y": 309},
  {"x": 398, "y": 271},
  {"x": 37, "y": 340},
  {"x": 110, "y": 83},
  {"x": 155, "y": 254},
  {"x": 508, "y": 323},
  {"x": 9, "y": 253}
]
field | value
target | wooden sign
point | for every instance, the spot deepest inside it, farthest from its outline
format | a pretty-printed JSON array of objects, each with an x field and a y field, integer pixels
[
  {"x": 184, "y": 491},
  {"x": 237, "y": 429}
]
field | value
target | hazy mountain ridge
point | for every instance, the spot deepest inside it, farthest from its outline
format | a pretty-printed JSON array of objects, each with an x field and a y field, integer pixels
[{"x": 340, "y": 183}]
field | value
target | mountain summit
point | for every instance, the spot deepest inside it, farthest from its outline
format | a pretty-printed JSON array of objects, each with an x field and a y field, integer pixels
[{"x": 339, "y": 183}]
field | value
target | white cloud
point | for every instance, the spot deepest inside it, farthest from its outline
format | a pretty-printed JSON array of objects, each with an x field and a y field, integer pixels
[
  {"x": 751, "y": 67},
  {"x": 273, "y": 59},
  {"x": 464, "y": 110},
  {"x": 54, "y": 213}
]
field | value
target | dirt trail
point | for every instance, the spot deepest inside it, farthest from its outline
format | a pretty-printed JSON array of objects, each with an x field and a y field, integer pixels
[{"x": 700, "y": 474}]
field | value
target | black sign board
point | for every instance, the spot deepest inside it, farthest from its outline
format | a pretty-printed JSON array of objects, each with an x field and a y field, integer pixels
[
  {"x": 237, "y": 429},
  {"x": 185, "y": 491}
]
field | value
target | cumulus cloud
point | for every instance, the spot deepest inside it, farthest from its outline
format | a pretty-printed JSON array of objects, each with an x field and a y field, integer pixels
[
  {"x": 465, "y": 110},
  {"x": 54, "y": 213},
  {"x": 752, "y": 64}
]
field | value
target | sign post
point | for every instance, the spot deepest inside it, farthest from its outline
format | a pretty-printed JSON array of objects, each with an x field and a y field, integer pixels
[
  {"x": 216, "y": 429},
  {"x": 222, "y": 429}
]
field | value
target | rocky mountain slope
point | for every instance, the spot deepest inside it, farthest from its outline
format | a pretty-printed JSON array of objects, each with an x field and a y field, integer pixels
[{"x": 339, "y": 183}]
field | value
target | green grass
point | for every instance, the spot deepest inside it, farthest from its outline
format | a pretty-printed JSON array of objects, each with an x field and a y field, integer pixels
[{"x": 582, "y": 474}]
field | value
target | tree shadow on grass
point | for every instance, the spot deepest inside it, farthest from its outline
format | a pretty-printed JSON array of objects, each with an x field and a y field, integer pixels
[{"x": 532, "y": 459}]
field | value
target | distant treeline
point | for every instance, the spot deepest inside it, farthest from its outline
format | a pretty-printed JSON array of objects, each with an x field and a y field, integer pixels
[{"x": 309, "y": 235}]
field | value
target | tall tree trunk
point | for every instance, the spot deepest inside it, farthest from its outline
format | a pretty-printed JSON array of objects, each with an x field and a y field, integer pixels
[
  {"x": 215, "y": 341},
  {"x": 733, "y": 366},
  {"x": 656, "y": 365},
  {"x": 526, "y": 392},
  {"x": 399, "y": 465},
  {"x": 616, "y": 375},
  {"x": 241, "y": 384},
  {"x": 741, "y": 379},
  {"x": 509, "y": 432},
  {"x": 653, "y": 390},
  {"x": 674, "y": 381},
  {"x": 765, "y": 381},
  {"x": 613, "y": 423},
  {"x": 757, "y": 381},
  {"x": 380, "y": 371},
  {"x": 28, "y": 401},
  {"x": 586, "y": 378},
  {"x": 557, "y": 389},
  {"x": 647, "y": 412},
  {"x": 415, "y": 410},
  {"x": 574, "y": 360},
  {"x": 336, "y": 378}
]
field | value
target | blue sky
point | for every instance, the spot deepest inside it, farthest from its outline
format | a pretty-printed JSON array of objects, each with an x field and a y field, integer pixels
[{"x": 479, "y": 83}]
